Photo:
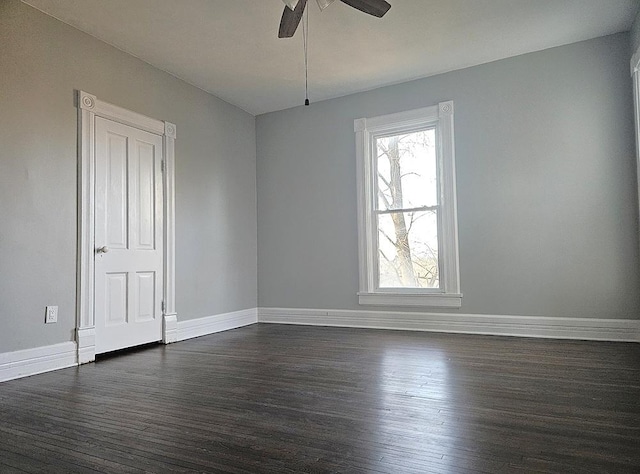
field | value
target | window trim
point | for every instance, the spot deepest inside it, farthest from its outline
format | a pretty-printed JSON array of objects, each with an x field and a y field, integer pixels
[
  {"x": 366, "y": 130},
  {"x": 635, "y": 76}
]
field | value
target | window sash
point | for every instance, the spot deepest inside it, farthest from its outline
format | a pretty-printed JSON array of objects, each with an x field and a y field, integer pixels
[
  {"x": 376, "y": 263},
  {"x": 374, "y": 137},
  {"x": 407, "y": 209},
  {"x": 376, "y": 211}
]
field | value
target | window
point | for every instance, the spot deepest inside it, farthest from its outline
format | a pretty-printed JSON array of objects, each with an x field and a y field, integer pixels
[{"x": 408, "y": 238}]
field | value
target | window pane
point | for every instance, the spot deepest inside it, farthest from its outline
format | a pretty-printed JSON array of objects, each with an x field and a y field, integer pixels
[
  {"x": 407, "y": 173},
  {"x": 408, "y": 250}
]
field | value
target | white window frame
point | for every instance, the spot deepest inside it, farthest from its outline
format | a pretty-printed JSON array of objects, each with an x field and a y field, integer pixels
[
  {"x": 367, "y": 130},
  {"x": 635, "y": 75}
]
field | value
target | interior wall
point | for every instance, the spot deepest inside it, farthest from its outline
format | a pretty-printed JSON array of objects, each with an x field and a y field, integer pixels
[
  {"x": 635, "y": 34},
  {"x": 547, "y": 205},
  {"x": 42, "y": 63}
]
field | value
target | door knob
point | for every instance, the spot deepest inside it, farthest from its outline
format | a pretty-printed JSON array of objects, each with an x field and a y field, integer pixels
[{"x": 104, "y": 249}]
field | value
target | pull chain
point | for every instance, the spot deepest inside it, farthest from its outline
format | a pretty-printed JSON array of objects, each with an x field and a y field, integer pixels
[{"x": 305, "y": 36}]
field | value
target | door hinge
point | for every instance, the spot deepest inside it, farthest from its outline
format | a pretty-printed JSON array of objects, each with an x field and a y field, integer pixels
[
  {"x": 162, "y": 306},
  {"x": 162, "y": 166}
]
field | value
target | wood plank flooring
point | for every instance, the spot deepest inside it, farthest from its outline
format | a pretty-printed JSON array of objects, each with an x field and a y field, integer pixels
[{"x": 281, "y": 399}]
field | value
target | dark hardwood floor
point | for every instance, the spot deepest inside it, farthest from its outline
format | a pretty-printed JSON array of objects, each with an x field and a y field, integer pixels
[{"x": 276, "y": 398}]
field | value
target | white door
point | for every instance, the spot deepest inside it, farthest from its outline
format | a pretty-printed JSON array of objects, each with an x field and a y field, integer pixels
[{"x": 128, "y": 236}]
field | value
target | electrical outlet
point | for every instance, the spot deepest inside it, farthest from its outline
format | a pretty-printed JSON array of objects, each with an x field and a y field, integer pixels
[{"x": 51, "y": 315}]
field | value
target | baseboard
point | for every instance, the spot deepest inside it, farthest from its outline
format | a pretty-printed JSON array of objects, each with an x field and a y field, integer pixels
[
  {"x": 219, "y": 322},
  {"x": 28, "y": 362},
  {"x": 14, "y": 365},
  {"x": 170, "y": 328},
  {"x": 86, "y": 339},
  {"x": 499, "y": 325}
]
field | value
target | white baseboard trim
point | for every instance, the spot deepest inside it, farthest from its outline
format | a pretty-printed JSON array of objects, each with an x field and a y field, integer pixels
[
  {"x": 498, "y": 325},
  {"x": 170, "y": 328},
  {"x": 14, "y": 365},
  {"x": 219, "y": 322},
  {"x": 28, "y": 362},
  {"x": 86, "y": 340}
]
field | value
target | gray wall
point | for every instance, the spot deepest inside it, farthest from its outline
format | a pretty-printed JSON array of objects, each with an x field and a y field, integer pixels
[
  {"x": 635, "y": 34},
  {"x": 546, "y": 187},
  {"x": 42, "y": 62}
]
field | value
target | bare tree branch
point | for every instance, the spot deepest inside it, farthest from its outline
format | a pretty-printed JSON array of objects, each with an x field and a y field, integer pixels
[
  {"x": 384, "y": 198},
  {"x": 410, "y": 173},
  {"x": 393, "y": 242},
  {"x": 387, "y": 183}
]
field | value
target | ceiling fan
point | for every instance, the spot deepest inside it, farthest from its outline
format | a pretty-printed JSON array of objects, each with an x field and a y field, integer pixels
[{"x": 295, "y": 8}]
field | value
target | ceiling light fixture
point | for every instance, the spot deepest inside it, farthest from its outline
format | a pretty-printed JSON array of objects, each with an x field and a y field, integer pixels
[{"x": 295, "y": 10}]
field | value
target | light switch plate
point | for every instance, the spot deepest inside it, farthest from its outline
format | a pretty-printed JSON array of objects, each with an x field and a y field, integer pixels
[{"x": 51, "y": 315}]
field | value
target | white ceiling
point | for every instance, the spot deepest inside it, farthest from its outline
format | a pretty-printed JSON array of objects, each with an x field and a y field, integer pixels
[{"x": 230, "y": 48}]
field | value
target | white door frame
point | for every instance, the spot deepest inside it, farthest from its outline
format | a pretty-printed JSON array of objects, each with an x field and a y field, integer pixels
[
  {"x": 90, "y": 107},
  {"x": 635, "y": 74}
]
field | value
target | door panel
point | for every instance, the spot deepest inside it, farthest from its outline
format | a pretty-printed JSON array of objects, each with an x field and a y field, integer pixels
[
  {"x": 117, "y": 222},
  {"x": 128, "y": 216},
  {"x": 117, "y": 292},
  {"x": 146, "y": 296},
  {"x": 145, "y": 194}
]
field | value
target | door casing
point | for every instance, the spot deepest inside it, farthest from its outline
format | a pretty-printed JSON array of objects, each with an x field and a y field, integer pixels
[{"x": 89, "y": 107}]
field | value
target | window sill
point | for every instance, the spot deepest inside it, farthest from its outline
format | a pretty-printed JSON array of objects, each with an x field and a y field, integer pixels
[{"x": 439, "y": 300}]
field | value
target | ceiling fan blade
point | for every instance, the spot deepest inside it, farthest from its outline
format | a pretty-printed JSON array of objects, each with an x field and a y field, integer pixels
[
  {"x": 372, "y": 7},
  {"x": 324, "y": 3},
  {"x": 291, "y": 20}
]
